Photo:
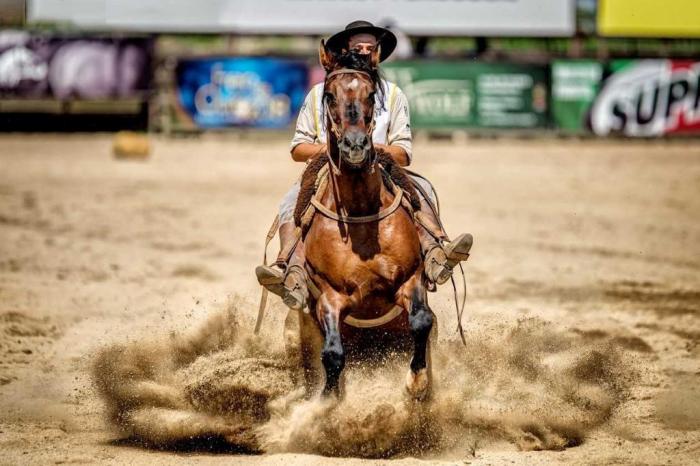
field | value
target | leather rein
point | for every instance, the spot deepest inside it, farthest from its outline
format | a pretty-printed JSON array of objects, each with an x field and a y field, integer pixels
[
  {"x": 398, "y": 195},
  {"x": 335, "y": 169},
  {"x": 342, "y": 217}
]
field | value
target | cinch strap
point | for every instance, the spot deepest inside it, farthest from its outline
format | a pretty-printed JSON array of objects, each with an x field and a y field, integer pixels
[{"x": 379, "y": 321}]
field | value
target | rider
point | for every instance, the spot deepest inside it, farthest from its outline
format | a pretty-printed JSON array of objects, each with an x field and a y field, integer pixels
[{"x": 392, "y": 134}]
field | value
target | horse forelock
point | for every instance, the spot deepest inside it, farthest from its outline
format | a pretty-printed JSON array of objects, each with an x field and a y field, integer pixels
[{"x": 355, "y": 61}]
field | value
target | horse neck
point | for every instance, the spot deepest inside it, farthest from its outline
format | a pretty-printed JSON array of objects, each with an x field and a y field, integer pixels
[{"x": 359, "y": 191}]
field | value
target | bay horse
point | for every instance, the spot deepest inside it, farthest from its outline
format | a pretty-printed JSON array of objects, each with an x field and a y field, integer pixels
[{"x": 363, "y": 257}]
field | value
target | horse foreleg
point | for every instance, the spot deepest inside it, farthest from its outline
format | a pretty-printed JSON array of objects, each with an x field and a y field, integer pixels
[
  {"x": 328, "y": 311},
  {"x": 311, "y": 346},
  {"x": 420, "y": 320}
]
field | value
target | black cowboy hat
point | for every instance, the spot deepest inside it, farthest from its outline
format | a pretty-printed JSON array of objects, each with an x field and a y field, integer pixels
[{"x": 385, "y": 38}]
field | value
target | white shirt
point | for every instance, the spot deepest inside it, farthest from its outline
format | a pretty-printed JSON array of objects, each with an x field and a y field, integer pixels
[{"x": 392, "y": 120}]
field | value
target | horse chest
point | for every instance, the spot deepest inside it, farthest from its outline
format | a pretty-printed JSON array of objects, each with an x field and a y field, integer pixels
[{"x": 369, "y": 258}]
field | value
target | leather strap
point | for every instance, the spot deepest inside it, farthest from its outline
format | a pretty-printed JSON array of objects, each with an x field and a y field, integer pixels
[
  {"x": 263, "y": 297},
  {"x": 286, "y": 253},
  {"x": 419, "y": 187},
  {"x": 378, "y": 322},
  {"x": 271, "y": 234},
  {"x": 398, "y": 195}
]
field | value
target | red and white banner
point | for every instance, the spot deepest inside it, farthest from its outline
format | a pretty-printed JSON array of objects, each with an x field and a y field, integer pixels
[{"x": 648, "y": 98}]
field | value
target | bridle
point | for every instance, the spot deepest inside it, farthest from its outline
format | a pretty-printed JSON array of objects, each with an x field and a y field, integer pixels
[
  {"x": 334, "y": 126},
  {"x": 341, "y": 215}
]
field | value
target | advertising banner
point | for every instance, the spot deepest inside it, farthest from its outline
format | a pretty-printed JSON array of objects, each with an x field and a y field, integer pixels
[
  {"x": 648, "y": 98},
  {"x": 12, "y": 13},
  {"x": 241, "y": 91},
  {"x": 452, "y": 95},
  {"x": 649, "y": 18},
  {"x": 575, "y": 85},
  {"x": 543, "y": 18},
  {"x": 63, "y": 68}
]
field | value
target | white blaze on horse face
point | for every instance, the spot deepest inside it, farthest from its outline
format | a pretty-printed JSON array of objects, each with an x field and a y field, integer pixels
[{"x": 353, "y": 84}]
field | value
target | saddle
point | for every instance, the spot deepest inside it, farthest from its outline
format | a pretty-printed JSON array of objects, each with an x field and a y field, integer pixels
[{"x": 314, "y": 183}]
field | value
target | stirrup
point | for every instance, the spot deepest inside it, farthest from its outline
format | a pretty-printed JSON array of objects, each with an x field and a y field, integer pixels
[
  {"x": 296, "y": 291},
  {"x": 271, "y": 278},
  {"x": 440, "y": 262},
  {"x": 435, "y": 266},
  {"x": 458, "y": 249},
  {"x": 290, "y": 286}
]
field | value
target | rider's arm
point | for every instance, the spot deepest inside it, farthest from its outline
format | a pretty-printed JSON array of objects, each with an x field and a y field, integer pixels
[
  {"x": 397, "y": 153},
  {"x": 306, "y": 150},
  {"x": 399, "y": 137},
  {"x": 304, "y": 143}
]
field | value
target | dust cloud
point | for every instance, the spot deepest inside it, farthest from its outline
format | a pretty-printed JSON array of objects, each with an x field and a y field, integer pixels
[{"x": 523, "y": 382}]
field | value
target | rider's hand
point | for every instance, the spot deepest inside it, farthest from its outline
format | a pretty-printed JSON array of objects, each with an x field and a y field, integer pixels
[
  {"x": 381, "y": 149},
  {"x": 321, "y": 150},
  {"x": 397, "y": 153},
  {"x": 307, "y": 151}
]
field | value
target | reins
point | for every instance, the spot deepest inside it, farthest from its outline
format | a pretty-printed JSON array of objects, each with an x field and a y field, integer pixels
[
  {"x": 334, "y": 172},
  {"x": 332, "y": 123},
  {"x": 459, "y": 306},
  {"x": 342, "y": 218}
]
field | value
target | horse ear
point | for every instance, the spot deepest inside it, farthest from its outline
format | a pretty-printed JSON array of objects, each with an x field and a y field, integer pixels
[
  {"x": 374, "y": 58},
  {"x": 325, "y": 57}
]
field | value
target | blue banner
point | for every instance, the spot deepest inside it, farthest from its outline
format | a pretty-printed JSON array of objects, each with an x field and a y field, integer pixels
[{"x": 242, "y": 91}]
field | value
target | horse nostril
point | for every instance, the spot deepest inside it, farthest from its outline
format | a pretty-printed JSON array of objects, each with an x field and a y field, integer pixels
[{"x": 365, "y": 141}]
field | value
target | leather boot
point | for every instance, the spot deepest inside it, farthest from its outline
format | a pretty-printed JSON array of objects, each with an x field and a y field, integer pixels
[
  {"x": 440, "y": 259},
  {"x": 296, "y": 290},
  {"x": 287, "y": 279}
]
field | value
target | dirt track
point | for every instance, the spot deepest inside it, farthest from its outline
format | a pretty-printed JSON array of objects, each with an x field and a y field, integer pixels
[{"x": 602, "y": 240}]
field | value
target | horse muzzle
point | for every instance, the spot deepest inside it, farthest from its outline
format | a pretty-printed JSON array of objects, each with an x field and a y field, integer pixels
[{"x": 355, "y": 148}]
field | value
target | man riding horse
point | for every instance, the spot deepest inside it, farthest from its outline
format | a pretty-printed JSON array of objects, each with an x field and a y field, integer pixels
[{"x": 287, "y": 277}]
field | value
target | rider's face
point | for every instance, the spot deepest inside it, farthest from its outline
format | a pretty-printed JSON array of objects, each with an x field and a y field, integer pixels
[{"x": 364, "y": 44}]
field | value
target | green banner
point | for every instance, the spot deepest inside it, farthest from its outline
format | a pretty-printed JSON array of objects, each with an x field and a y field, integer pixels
[
  {"x": 575, "y": 85},
  {"x": 449, "y": 95}
]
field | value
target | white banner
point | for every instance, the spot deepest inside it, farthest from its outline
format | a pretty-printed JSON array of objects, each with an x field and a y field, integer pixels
[{"x": 418, "y": 17}]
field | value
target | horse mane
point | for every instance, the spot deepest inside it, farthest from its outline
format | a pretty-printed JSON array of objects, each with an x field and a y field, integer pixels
[{"x": 393, "y": 173}]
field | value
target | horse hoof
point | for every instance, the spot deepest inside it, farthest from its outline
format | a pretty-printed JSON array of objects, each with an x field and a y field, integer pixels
[
  {"x": 330, "y": 394},
  {"x": 417, "y": 384}
]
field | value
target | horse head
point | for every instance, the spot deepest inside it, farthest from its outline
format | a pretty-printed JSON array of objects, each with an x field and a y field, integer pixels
[{"x": 349, "y": 92}]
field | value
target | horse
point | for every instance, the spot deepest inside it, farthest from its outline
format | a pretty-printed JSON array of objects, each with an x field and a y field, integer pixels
[{"x": 362, "y": 251}]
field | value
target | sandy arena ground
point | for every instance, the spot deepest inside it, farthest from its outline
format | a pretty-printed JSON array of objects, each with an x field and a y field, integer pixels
[{"x": 599, "y": 242}]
